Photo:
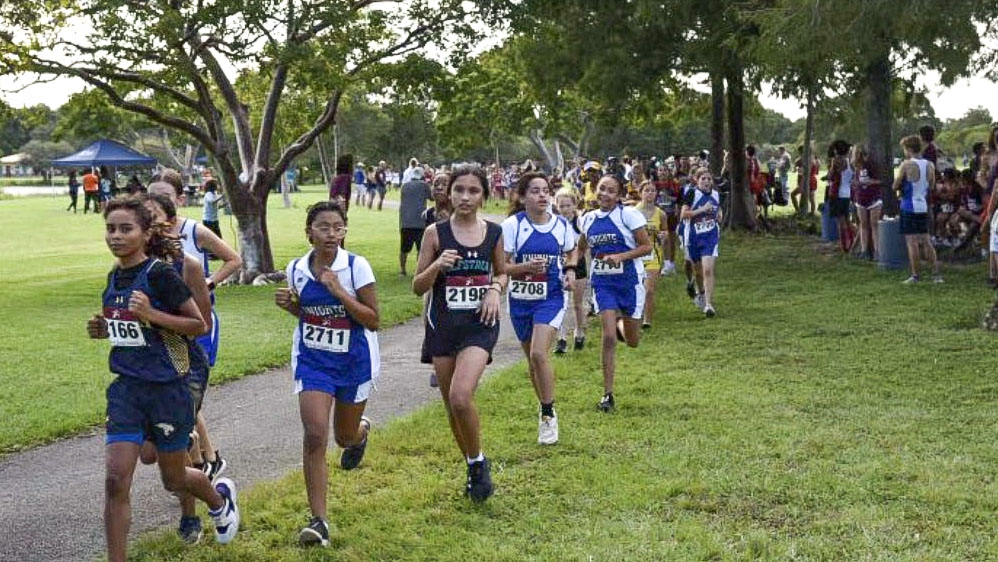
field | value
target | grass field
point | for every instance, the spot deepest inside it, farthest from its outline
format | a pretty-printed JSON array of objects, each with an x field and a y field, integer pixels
[
  {"x": 827, "y": 413},
  {"x": 54, "y": 268}
]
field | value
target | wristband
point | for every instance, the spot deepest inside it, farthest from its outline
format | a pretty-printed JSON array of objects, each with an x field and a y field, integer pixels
[{"x": 493, "y": 288}]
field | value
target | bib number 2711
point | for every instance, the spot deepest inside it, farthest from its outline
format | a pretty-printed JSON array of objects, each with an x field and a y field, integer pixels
[{"x": 326, "y": 338}]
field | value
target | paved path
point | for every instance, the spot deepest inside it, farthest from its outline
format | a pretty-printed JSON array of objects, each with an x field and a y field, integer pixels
[{"x": 51, "y": 498}]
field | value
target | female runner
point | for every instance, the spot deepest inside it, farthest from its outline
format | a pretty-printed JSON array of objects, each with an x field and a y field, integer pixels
[
  {"x": 537, "y": 242},
  {"x": 334, "y": 354},
  {"x": 618, "y": 238},
  {"x": 461, "y": 265}
]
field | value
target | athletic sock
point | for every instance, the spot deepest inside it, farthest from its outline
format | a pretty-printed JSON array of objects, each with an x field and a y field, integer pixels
[
  {"x": 479, "y": 458},
  {"x": 547, "y": 409}
]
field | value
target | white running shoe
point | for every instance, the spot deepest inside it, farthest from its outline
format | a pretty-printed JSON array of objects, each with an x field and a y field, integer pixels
[
  {"x": 698, "y": 301},
  {"x": 668, "y": 268},
  {"x": 227, "y": 518},
  {"x": 938, "y": 279},
  {"x": 911, "y": 280},
  {"x": 547, "y": 430}
]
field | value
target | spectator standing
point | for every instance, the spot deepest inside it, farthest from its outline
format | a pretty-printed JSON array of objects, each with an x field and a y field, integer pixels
[
  {"x": 105, "y": 185},
  {"x": 359, "y": 182},
  {"x": 916, "y": 179},
  {"x": 91, "y": 191},
  {"x": 869, "y": 201},
  {"x": 930, "y": 152},
  {"x": 408, "y": 173},
  {"x": 134, "y": 186},
  {"x": 415, "y": 193},
  {"x": 212, "y": 198},
  {"x": 340, "y": 188},
  {"x": 783, "y": 170},
  {"x": 74, "y": 191},
  {"x": 381, "y": 182}
]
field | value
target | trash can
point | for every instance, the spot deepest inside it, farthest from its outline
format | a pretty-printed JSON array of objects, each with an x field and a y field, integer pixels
[
  {"x": 829, "y": 227},
  {"x": 890, "y": 244}
]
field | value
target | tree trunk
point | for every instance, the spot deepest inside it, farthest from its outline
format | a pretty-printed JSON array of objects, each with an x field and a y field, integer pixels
[
  {"x": 324, "y": 163},
  {"x": 716, "y": 123},
  {"x": 878, "y": 126},
  {"x": 538, "y": 140},
  {"x": 742, "y": 206},
  {"x": 806, "y": 156}
]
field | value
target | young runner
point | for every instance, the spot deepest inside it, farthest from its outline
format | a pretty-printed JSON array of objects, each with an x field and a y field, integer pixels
[
  {"x": 199, "y": 241},
  {"x": 839, "y": 191},
  {"x": 164, "y": 215},
  {"x": 567, "y": 202},
  {"x": 461, "y": 265},
  {"x": 618, "y": 239},
  {"x": 916, "y": 179},
  {"x": 688, "y": 189},
  {"x": 148, "y": 312},
  {"x": 440, "y": 211},
  {"x": 869, "y": 201},
  {"x": 668, "y": 199},
  {"x": 334, "y": 356},
  {"x": 702, "y": 236},
  {"x": 537, "y": 242},
  {"x": 657, "y": 226}
]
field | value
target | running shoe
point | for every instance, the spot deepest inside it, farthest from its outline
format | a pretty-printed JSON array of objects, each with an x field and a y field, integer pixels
[
  {"x": 580, "y": 342},
  {"x": 699, "y": 301},
  {"x": 668, "y": 268},
  {"x": 316, "y": 533},
  {"x": 353, "y": 454},
  {"x": 645, "y": 326},
  {"x": 547, "y": 430},
  {"x": 227, "y": 517},
  {"x": 690, "y": 289},
  {"x": 911, "y": 280},
  {"x": 190, "y": 530},
  {"x": 214, "y": 469},
  {"x": 620, "y": 331},
  {"x": 606, "y": 403},
  {"x": 479, "y": 481},
  {"x": 937, "y": 279},
  {"x": 561, "y": 347},
  {"x": 709, "y": 311}
]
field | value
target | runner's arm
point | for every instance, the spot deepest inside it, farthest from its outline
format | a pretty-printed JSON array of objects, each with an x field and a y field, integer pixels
[
  {"x": 426, "y": 265},
  {"x": 212, "y": 243},
  {"x": 199, "y": 288}
]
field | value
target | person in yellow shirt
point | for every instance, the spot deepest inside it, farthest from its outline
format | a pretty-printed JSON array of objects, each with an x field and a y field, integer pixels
[
  {"x": 591, "y": 172},
  {"x": 658, "y": 227}
]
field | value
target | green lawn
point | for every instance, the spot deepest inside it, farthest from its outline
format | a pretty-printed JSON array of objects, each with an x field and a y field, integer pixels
[
  {"x": 52, "y": 284},
  {"x": 827, "y": 413}
]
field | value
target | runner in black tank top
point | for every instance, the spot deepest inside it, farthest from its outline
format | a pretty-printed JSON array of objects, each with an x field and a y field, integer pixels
[{"x": 466, "y": 282}]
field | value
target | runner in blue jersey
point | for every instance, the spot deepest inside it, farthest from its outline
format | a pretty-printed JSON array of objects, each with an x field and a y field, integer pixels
[
  {"x": 199, "y": 241},
  {"x": 617, "y": 239},
  {"x": 164, "y": 215},
  {"x": 702, "y": 234},
  {"x": 148, "y": 314},
  {"x": 916, "y": 179},
  {"x": 461, "y": 264},
  {"x": 539, "y": 247},
  {"x": 334, "y": 355}
]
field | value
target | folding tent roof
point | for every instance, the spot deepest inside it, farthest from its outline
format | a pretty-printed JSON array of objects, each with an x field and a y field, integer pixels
[{"x": 105, "y": 153}]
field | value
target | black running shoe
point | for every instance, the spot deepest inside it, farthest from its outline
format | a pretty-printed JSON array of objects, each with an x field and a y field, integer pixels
[
  {"x": 479, "y": 481},
  {"x": 580, "y": 342},
  {"x": 690, "y": 289},
  {"x": 353, "y": 454},
  {"x": 214, "y": 469},
  {"x": 606, "y": 403},
  {"x": 561, "y": 347},
  {"x": 646, "y": 326},
  {"x": 316, "y": 533},
  {"x": 190, "y": 530}
]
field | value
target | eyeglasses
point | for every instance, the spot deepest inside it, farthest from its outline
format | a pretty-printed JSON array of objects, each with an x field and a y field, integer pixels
[{"x": 325, "y": 229}]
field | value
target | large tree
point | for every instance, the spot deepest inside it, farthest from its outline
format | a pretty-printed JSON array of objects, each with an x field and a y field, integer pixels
[{"x": 174, "y": 62}]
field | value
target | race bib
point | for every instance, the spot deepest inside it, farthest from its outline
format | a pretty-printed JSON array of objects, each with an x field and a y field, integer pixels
[
  {"x": 704, "y": 227},
  {"x": 466, "y": 292},
  {"x": 529, "y": 288},
  {"x": 326, "y": 333},
  {"x": 123, "y": 328},
  {"x": 601, "y": 267}
]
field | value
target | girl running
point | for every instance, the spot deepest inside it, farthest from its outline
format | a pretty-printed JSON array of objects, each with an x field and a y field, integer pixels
[
  {"x": 567, "y": 201},
  {"x": 702, "y": 236},
  {"x": 658, "y": 226},
  {"x": 148, "y": 313},
  {"x": 537, "y": 242},
  {"x": 334, "y": 354},
  {"x": 461, "y": 265},
  {"x": 617, "y": 238},
  {"x": 164, "y": 216}
]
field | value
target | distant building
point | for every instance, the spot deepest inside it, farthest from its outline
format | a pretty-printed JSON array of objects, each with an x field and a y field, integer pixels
[{"x": 16, "y": 165}]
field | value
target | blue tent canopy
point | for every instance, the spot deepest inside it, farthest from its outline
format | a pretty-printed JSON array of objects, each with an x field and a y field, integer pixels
[{"x": 105, "y": 153}]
